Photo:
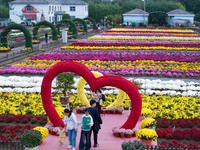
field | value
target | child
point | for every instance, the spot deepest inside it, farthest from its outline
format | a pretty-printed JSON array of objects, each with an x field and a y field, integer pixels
[
  {"x": 87, "y": 123},
  {"x": 71, "y": 124},
  {"x": 62, "y": 135}
]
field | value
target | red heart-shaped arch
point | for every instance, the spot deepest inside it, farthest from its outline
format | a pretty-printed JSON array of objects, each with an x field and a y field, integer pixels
[{"x": 94, "y": 83}]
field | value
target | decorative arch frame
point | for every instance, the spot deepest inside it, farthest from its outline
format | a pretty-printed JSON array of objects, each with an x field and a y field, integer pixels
[
  {"x": 93, "y": 22},
  {"x": 48, "y": 24},
  {"x": 7, "y": 29},
  {"x": 94, "y": 83},
  {"x": 84, "y": 101},
  {"x": 72, "y": 25},
  {"x": 158, "y": 14},
  {"x": 85, "y": 29}
]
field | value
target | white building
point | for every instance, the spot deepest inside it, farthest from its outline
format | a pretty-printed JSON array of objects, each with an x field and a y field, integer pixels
[
  {"x": 135, "y": 16},
  {"x": 180, "y": 16},
  {"x": 29, "y": 11}
]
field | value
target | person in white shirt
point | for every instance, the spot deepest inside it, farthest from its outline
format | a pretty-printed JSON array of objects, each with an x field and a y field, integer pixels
[{"x": 70, "y": 122}]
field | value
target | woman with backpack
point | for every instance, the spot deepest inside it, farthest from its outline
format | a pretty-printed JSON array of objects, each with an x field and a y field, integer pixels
[{"x": 99, "y": 98}]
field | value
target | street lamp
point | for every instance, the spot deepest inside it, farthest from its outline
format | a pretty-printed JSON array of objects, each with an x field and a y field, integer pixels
[
  {"x": 105, "y": 22},
  {"x": 144, "y": 10}
]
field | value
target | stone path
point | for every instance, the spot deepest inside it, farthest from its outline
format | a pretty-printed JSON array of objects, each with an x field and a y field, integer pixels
[{"x": 106, "y": 139}]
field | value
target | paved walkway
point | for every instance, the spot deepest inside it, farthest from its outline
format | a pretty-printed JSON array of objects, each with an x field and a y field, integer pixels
[{"x": 106, "y": 139}]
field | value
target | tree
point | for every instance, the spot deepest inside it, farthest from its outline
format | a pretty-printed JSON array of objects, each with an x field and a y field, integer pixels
[
  {"x": 4, "y": 12},
  {"x": 66, "y": 16}
]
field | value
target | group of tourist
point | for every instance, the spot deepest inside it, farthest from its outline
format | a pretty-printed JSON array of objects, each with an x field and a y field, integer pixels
[{"x": 90, "y": 121}]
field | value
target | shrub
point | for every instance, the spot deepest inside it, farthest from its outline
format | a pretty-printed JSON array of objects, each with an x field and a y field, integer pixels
[
  {"x": 156, "y": 25},
  {"x": 22, "y": 22},
  {"x": 145, "y": 25},
  {"x": 31, "y": 138},
  {"x": 141, "y": 24},
  {"x": 133, "y": 24},
  {"x": 114, "y": 25},
  {"x": 92, "y": 20},
  {"x": 169, "y": 25},
  {"x": 133, "y": 145},
  {"x": 123, "y": 25},
  {"x": 199, "y": 26},
  {"x": 182, "y": 26}
]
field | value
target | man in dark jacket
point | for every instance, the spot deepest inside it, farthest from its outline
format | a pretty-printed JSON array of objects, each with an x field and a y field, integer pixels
[{"x": 97, "y": 121}]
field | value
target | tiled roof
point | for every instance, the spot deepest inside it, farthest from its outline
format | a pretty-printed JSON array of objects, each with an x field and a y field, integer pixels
[
  {"x": 136, "y": 11},
  {"x": 179, "y": 11}
]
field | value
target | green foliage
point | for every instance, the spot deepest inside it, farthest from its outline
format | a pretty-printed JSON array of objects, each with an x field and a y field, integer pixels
[
  {"x": 31, "y": 138},
  {"x": 93, "y": 22},
  {"x": 7, "y": 29},
  {"x": 169, "y": 25},
  {"x": 72, "y": 26},
  {"x": 22, "y": 23},
  {"x": 156, "y": 25},
  {"x": 135, "y": 145},
  {"x": 117, "y": 18},
  {"x": 141, "y": 24},
  {"x": 182, "y": 26},
  {"x": 197, "y": 17},
  {"x": 83, "y": 23},
  {"x": 133, "y": 24},
  {"x": 64, "y": 82},
  {"x": 48, "y": 24},
  {"x": 4, "y": 12},
  {"x": 199, "y": 26},
  {"x": 123, "y": 25},
  {"x": 66, "y": 16},
  {"x": 144, "y": 25}
]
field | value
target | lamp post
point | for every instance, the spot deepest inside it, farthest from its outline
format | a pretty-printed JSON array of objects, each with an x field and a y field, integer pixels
[
  {"x": 144, "y": 10},
  {"x": 105, "y": 22}
]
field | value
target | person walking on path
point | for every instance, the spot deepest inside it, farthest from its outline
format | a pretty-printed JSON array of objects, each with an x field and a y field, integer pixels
[
  {"x": 70, "y": 122},
  {"x": 46, "y": 37},
  {"x": 97, "y": 121},
  {"x": 87, "y": 123},
  {"x": 97, "y": 96},
  {"x": 62, "y": 135},
  {"x": 99, "y": 28}
]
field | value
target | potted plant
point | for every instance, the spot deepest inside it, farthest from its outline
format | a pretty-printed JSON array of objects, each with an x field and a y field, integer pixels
[
  {"x": 122, "y": 133},
  {"x": 146, "y": 136},
  {"x": 120, "y": 110},
  {"x": 77, "y": 110},
  {"x": 31, "y": 139},
  {"x": 116, "y": 131},
  {"x": 64, "y": 84},
  {"x": 103, "y": 109},
  {"x": 128, "y": 133},
  {"x": 133, "y": 145},
  {"x": 114, "y": 110},
  {"x": 148, "y": 123}
]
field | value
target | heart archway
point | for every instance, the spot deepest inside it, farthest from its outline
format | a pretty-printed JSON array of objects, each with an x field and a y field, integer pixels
[{"x": 94, "y": 83}]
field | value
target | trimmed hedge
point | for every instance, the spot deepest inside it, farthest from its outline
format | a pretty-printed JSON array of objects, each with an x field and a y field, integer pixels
[
  {"x": 83, "y": 23},
  {"x": 72, "y": 26},
  {"x": 45, "y": 23},
  {"x": 7, "y": 29},
  {"x": 93, "y": 22}
]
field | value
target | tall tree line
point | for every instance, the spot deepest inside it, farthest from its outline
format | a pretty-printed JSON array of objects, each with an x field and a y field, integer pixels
[{"x": 4, "y": 10}]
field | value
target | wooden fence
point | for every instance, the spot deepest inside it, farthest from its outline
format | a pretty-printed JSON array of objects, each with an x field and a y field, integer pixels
[
  {"x": 11, "y": 145},
  {"x": 14, "y": 54},
  {"x": 52, "y": 44},
  {"x": 17, "y": 145},
  {"x": 170, "y": 148}
]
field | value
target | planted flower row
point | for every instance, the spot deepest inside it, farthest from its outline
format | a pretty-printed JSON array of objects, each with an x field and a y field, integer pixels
[
  {"x": 24, "y": 119},
  {"x": 12, "y": 132},
  {"x": 187, "y": 134},
  {"x": 183, "y": 70},
  {"x": 171, "y": 107},
  {"x": 136, "y": 43},
  {"x": 179, "y": 123},
  {"x": 174, "y": 143}
]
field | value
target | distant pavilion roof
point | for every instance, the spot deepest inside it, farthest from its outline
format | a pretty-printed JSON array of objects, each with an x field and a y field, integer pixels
[
  {"x": 179, "y": 12},
  {"x": 136, "y": 11}
]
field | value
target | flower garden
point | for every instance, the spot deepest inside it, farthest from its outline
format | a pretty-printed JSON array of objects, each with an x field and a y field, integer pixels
[{"x": 165, "y": 61}]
